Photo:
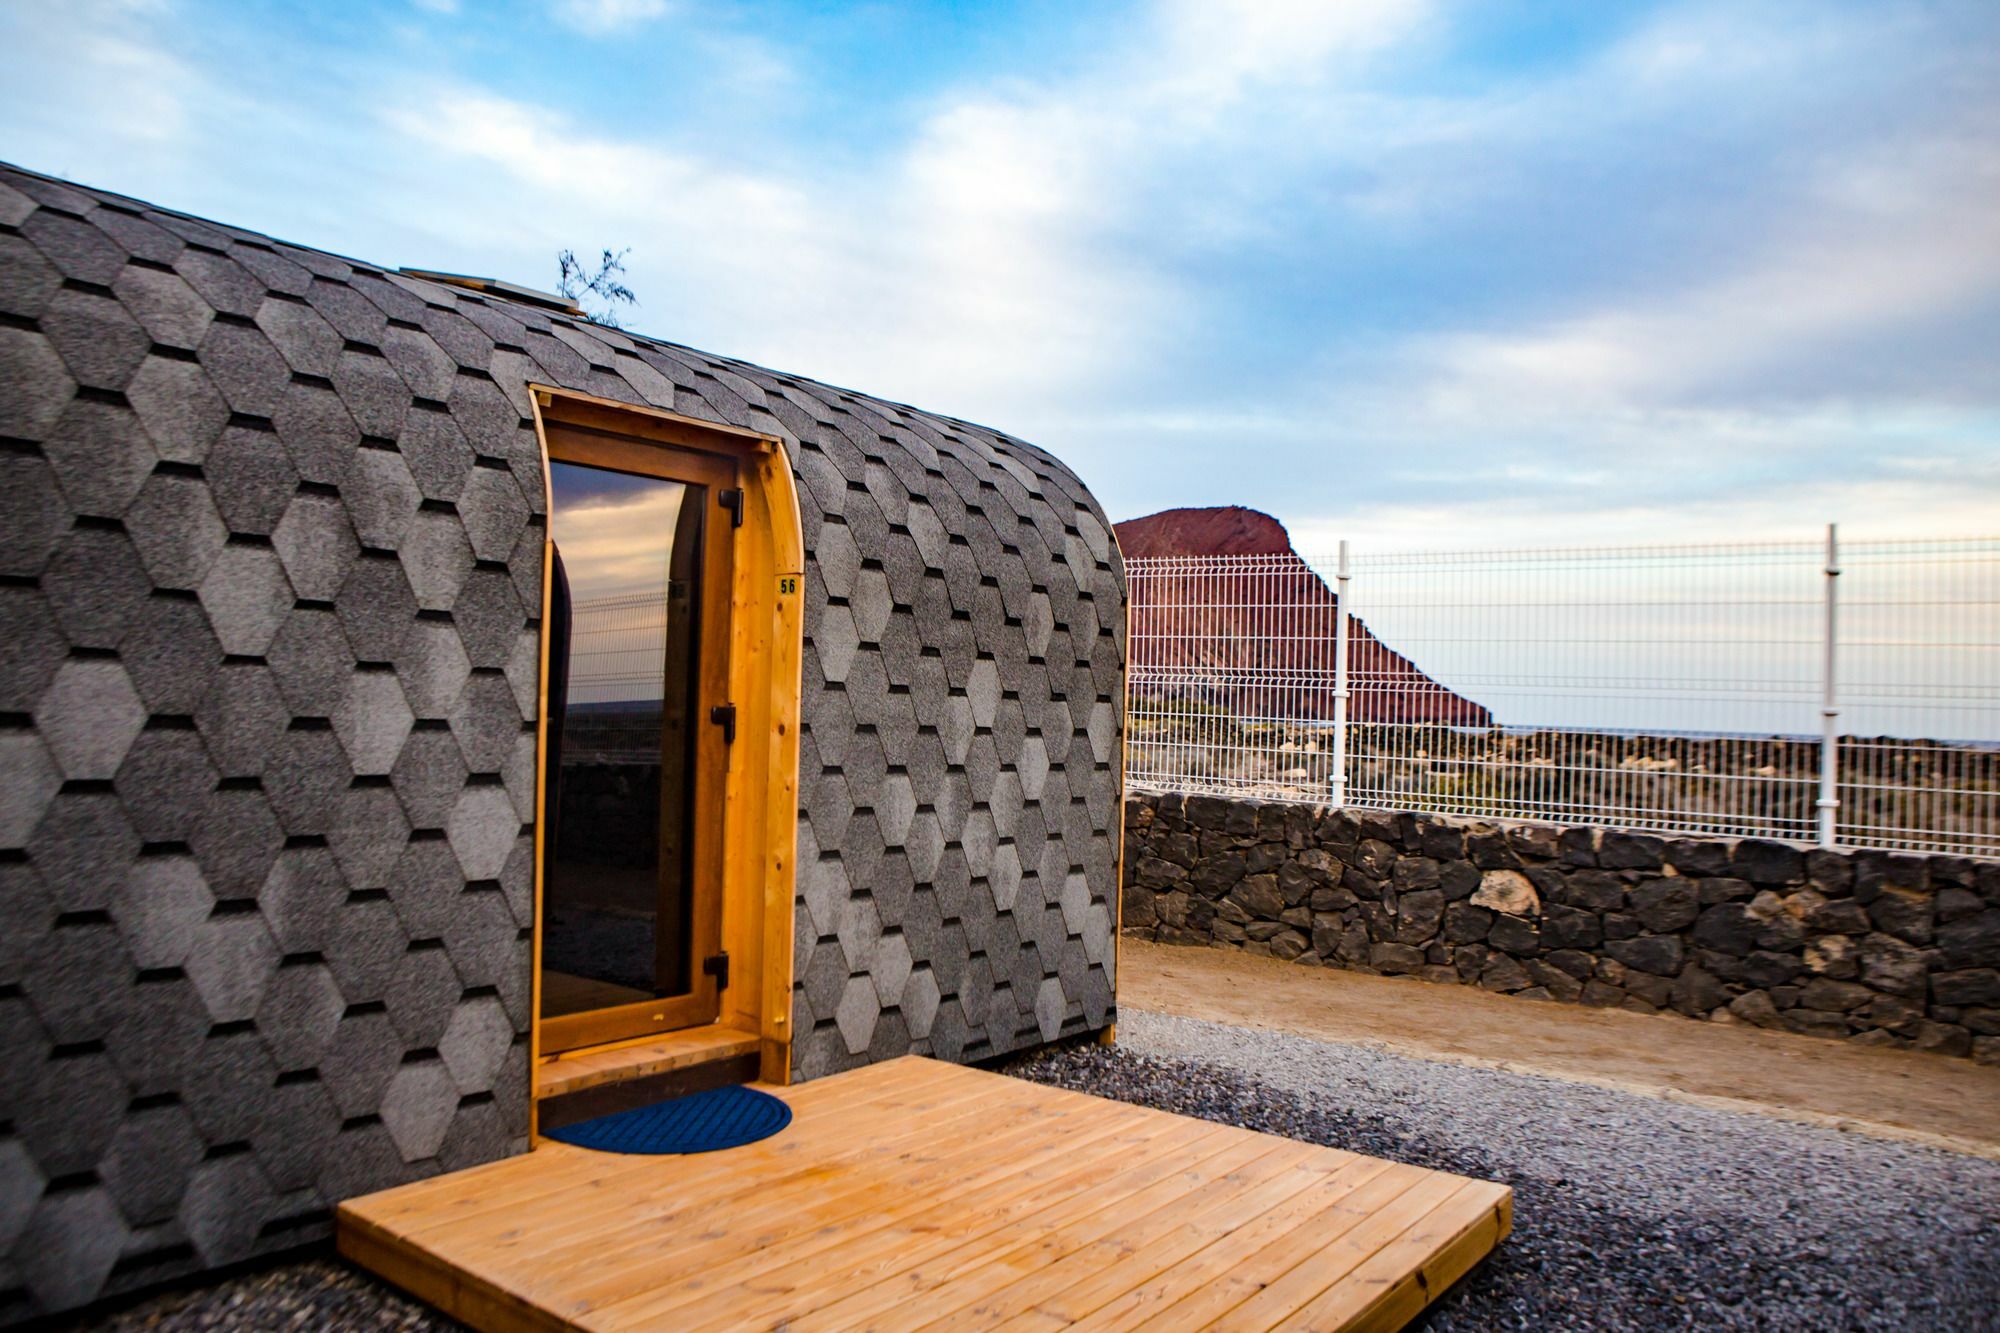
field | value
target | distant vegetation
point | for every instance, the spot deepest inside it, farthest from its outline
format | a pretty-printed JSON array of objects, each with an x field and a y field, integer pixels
[{"x": 576, "y": 283}]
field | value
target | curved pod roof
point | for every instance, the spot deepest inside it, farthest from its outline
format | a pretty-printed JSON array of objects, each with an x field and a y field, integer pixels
[{"x": 269, "y": 566}]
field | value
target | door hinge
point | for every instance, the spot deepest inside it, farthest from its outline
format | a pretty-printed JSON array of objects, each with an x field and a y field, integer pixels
[
  {"x": 724, "y": 716},
  {"x": 732, "y": 500},
  {"x": 717, "y": 966}
]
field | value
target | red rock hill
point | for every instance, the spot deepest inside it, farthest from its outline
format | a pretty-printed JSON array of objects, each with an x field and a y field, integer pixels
[{"x": 1262, "y": 632}]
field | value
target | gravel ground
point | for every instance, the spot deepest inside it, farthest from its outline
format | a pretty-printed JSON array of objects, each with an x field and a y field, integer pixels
[
  {"x": 315, "y": 1296},
  {"x": 1629, "y": 1213}
]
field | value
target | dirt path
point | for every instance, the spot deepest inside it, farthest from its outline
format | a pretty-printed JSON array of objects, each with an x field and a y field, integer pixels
[{"x": 1899, "y": 1094}]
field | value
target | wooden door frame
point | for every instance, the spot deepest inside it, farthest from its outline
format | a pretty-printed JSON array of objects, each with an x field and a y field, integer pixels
[
  {"x": 716, "y": 474},
  {"x": 760, "y": 838}
]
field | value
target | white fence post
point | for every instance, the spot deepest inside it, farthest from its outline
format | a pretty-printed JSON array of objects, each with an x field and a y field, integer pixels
[
  {"x": 1829, "y": 740},
  {"x": 1340, "y": 578}
]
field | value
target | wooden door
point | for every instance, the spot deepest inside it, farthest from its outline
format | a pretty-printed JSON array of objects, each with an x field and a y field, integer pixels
[{"x": 641, "y": 537}]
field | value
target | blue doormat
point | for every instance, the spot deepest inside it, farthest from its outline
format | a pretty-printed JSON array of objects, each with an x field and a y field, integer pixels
[{"x": 699, "y": 1122}]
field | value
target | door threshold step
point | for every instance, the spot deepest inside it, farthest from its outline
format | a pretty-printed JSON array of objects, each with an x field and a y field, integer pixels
[{"x": 623, "y": 1062}]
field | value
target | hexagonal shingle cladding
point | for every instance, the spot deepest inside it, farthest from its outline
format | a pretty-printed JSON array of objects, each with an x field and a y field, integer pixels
[
  {"x": 252, "y": 478},
  {"x": 176, "y": 529},
  {"x": 100, "y": 457},
  {"x": 235, "y": 841},
  {"x": 95, "y": 587},
  {"x": 99, "y": 343},
  {"x": 367, "y": 835},
  {"x": 231, "y": 964},
  {"x": 240, "y": 718},
  {"x": 482, "y": 829},
  {"x": 373, "y": 721},
  {"x": 298, "y": 1015},
  {"x": 33, "y": 514},
  {"x": 247, "y": 597},
  {"x": 89, "y": 718},
  {"x": 486, "y": 722},
  {"x": 418, "y": 1107},
  {"x": 40, "y": 385},
  {"x": 245, "y": 369},
  {"x": 856, "y": 1014},
  {"x": 164, "y": 783},
  {"x": 69, "y": 1245},
  {"x": 493, "y": 511},
  {"x": 318, "y": 432},
  {"x": 376, "y": 607},
  {"x": 310, "y": 661},
  {"x": 437, "y": 557},
  {"x": 182, "y": 413},
  {"x": 380, "y": 495},
  {"x": 434, "y": 447},
  {"x": 475, "y": 1044},
  {"x": 959, "y": 675},
  {"x": 429, "y": 774},
  {"x": 148, "y": 1164},
  {"x": 433, "y": 667},
  {"x": 306, "y": 341},
  {"x": 489, "y": 616},
  {"x": 161, "y": 909},
  {"x": 81, "y": 846},
  {"x": 316, "y": 544}
]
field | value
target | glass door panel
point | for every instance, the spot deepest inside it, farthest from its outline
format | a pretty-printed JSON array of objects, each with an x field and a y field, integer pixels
[{"x": 623, "y": 757}]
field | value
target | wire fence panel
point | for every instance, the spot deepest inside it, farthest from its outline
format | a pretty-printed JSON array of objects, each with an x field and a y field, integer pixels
[
  {"x": 1920, "y": 677},
  {"x": 1674, "y": 688},
  {"x": 617, "y": 660}
]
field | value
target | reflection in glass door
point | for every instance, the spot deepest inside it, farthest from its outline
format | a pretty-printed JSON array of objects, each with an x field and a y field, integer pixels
[{"x": 623, "y": 905}]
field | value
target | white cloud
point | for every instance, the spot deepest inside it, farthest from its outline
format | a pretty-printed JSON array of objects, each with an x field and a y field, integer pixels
[
  {"x": 599, "y": 18},
  {"x": 1866, "y": 510},
  {"x": 138, "y": 91},
  {"x": 1892, "y": 238},
  {"x": 964, "y": 275},
  {"x": 1005, "y": 263},
  {"x": 1211, "y": 52},
  {"x": 1062, "y": 253}
]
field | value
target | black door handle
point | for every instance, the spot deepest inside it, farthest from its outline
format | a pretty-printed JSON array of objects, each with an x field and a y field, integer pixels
[{"x": 724, "y": 716}]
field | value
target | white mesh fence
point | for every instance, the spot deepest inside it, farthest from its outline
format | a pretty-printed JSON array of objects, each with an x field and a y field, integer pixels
[
  {"x": 617, "y": 656},
  {"x": 1676, "y": 688}
]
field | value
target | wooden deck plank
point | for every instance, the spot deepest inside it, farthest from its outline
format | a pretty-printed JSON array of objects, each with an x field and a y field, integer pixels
[
  {"x": 1189, "y": 1257},
  {"x": 1394, "y": 1285},
  {"x": 560, "y": 1169},
  {"x": 469, "y": 1187},
  {"x": 1237, "y": 1265},
  {"x": 912, "y": 1193},
  {"x": 1113, "y": 1238},
  {"x": 574, "y": 1071},
  {"x": 783, "y": 1226},
  {"x": 634, "y": 1187},
  {"x": 1275, "y": 1304},
  {"x": 869, "y": 1252},
  {"x": 991, "y": 1259},
  {"x": 467, "y": 1297}
]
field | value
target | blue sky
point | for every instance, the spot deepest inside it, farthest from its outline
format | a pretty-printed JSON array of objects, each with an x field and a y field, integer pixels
[{"x": 1418, "y": 274}]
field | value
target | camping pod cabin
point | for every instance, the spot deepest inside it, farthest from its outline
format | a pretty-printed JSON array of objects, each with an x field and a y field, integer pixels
[{"x": 417, "y": 694}]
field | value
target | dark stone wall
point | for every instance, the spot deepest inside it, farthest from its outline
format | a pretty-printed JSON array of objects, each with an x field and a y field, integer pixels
[
  {"x": 1874, "y": 947},
  {"x": 271, "y": 526}
]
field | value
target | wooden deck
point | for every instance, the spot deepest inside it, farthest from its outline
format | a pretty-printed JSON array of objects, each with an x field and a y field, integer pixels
[{"x": 916, "y": 1193}]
